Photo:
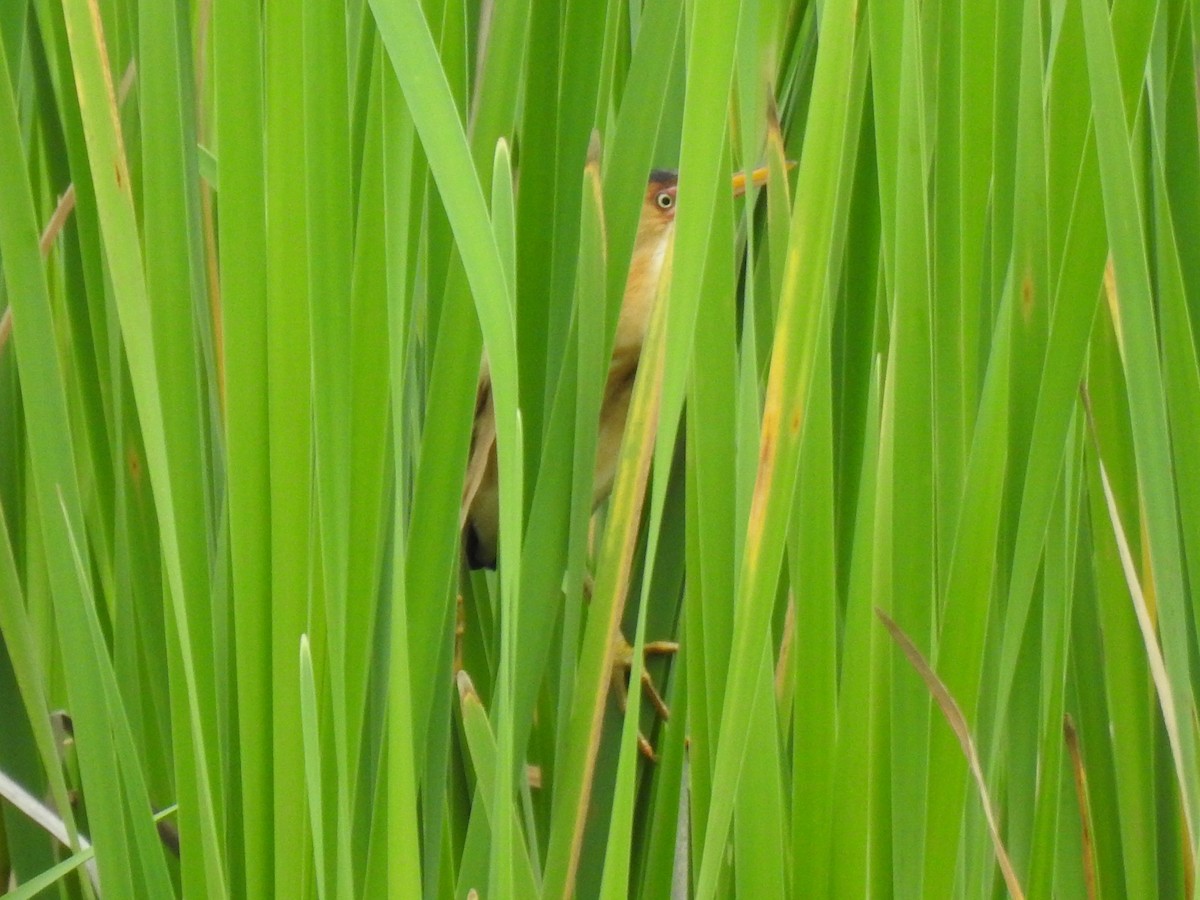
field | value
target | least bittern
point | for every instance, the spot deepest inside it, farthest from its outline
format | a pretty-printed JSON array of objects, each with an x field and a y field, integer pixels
[{"x": 481, "y": 496}]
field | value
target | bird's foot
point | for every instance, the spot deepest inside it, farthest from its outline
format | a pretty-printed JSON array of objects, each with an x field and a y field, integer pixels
[{"x": 623, "y": 666}]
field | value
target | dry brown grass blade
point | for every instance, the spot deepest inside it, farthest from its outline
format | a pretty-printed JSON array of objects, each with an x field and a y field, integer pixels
[
  {"x": 62, "y": 212},
  {"x": 958, "y": 724},
  {"x": 58, "y": 218},
  {"x": 1154, "y": 655},
  {"x": 49, "y": 820},
  {"x": 1081, "y": 793}
]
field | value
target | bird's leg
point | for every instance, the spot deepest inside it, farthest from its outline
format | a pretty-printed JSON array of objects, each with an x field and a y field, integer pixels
[
  {"x": 622, "y": 655},
  {"x": 623, "y": 659},
  {"x": 623, "y": 666}
]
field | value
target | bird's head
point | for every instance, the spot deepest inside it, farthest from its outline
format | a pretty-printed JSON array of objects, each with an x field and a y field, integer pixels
[
  {"x": 654, "y": 229},
  {"x": 658, "y": 207}
]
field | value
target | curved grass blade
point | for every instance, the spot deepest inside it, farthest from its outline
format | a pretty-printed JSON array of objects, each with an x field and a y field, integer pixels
[{"x": 410, "y": 48}]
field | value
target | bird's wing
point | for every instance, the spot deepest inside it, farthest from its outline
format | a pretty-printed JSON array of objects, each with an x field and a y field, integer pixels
[{"x": 483, "y": 438}]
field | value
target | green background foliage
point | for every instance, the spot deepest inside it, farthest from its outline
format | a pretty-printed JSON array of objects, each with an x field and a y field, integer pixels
[{"x": 909, "y": 470}]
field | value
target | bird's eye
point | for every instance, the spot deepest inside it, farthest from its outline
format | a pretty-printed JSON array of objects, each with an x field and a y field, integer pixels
[{"x": 664, "y": 199}]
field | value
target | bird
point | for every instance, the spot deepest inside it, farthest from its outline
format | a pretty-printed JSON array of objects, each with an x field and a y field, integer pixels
[
  {"x": 480, "y": 510},
  {"x": 479, "y": 519}
]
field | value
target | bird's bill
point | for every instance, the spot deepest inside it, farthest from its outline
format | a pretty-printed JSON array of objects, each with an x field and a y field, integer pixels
[{"x": 758, "y": 177}]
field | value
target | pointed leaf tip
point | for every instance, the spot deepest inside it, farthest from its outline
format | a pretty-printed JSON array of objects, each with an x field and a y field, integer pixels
[{"x": 466, "y": 687}]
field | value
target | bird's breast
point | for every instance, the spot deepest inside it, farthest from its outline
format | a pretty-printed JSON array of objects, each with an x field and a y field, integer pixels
[{"x": 641, "y": 289}]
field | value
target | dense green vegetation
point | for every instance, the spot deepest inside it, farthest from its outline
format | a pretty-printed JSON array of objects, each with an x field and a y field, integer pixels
[{"x": 910, "y": 470}]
